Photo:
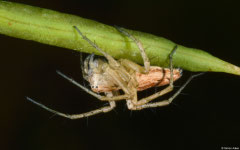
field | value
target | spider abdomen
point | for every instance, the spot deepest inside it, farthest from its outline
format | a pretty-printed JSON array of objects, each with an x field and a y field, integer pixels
[{"x": 157, "y": 76}]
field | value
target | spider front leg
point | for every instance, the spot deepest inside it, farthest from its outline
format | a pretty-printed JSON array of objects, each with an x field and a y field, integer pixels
[
  {"x": 82, "y": 115},
  {"x": 110, "y": 59},
  {"x": 165, "y": 102},
  {"x": 111, "y": 97}
]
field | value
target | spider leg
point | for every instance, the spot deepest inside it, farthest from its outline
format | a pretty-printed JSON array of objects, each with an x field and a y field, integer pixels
[
  {"x": 110, "y": 59},
  {"x": 83, "y": 65},
  {"x": 77, "y": 116},
  {"x": 100, "y": 97},
  {"x": 140, "y": 46},
  {"x": 129, "y": 65},
  {"x": 164, "y": 91},
  {"x": 168, "y": 101},
  {"x": 171, "y": 64}
]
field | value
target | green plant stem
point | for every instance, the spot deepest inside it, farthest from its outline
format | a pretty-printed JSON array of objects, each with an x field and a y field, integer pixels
[{"x": 55, "y": 28}]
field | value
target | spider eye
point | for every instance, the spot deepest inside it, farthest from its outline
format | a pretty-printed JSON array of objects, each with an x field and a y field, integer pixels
[{"x": 94, "y": 86}]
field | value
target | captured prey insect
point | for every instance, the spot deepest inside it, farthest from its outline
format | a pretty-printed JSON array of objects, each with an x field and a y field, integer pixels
[{"x": 110, "y": 76}]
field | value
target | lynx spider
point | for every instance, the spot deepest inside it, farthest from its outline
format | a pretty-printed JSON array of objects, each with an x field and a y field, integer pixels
[{"x": 114, "y": 75}]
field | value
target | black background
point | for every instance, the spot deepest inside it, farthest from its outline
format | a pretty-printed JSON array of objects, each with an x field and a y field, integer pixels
[{"x": 205, "y": 115}]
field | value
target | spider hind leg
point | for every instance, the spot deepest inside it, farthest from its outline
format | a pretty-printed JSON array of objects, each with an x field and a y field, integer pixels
[
  {"x": 143, "y": 103},
  {"x": 168, "y": 101}
]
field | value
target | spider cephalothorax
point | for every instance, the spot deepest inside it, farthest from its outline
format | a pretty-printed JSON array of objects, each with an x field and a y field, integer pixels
[{"x": 108, "y": 76}]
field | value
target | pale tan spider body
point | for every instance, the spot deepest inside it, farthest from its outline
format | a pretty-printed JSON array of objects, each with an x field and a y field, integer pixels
[
  {"x": 112, "y": 75},
  {"x": 125, "y": 75},
  {"x": 100, "y": 81}
]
